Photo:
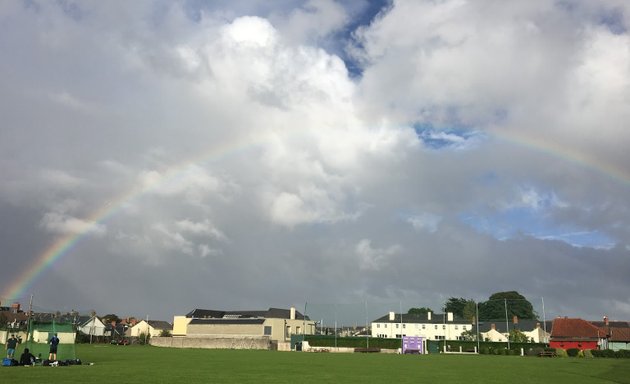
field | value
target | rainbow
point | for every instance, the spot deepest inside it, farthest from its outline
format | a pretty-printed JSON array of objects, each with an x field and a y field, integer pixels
[
  {"x": 620, "y": 175},
  {"x": 63, "y": 245}
]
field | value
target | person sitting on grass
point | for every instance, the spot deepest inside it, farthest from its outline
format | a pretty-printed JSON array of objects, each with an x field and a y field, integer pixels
[{"x": 27, "y": 358}]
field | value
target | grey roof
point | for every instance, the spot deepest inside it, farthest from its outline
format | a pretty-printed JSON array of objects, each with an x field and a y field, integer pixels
[
  {"x": 159, "y": 324},
  {"x": 271, "y": 313},
  {"x": 228, "y": 321},
  {"x": 612, "y": 324},
  {"x": 436, "y": 318},
  {"x": 521, "y": 325}
]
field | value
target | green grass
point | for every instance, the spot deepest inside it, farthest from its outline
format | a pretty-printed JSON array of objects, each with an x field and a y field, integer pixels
[{"x": 143, "y": 364}]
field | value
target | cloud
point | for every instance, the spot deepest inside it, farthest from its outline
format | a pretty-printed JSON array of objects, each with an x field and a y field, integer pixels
[
  {"x": 425, "y": 222},
  {"x": 371, "y": 258},
  {"x": 227, "y": 142},
  {"x": 60, "y": 223}
]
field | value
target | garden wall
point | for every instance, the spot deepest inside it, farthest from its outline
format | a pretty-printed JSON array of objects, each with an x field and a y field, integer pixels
[{"x": 216, "y": 342}]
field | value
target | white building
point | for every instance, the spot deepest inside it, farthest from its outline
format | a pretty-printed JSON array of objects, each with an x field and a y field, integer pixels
[{"x": 429, "y": 326}]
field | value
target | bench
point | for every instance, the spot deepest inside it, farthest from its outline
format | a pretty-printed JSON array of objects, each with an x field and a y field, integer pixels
[
  {"x": 367, "y": 350},
  {"x": 547, "y": 354}
]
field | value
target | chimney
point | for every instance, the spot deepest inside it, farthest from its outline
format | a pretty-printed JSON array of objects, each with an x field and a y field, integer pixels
[
  {"x": 292, "y": 317},
  {"x": 15, "y": 307},
  {"x": 537, "y": 325},
  {"x": 493, "y": 326},
  {"x": 515, "y": 319},
  {"x": 392, "y": 316},
  {"x": 606, "y": 320},
  {"x": 429, "y": 315}
]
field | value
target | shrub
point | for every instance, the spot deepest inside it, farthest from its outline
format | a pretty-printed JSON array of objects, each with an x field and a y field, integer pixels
[
  {"x": 143, "y": 338},
  {"x": 603, "y": 352},
  {"x": 484, "y": 351},
  {"x": 588, "y": 354},
  {"x": 623, "y": 353},
  {"x": 573, "y": 352},
  {"x": 560, "y": 352}
]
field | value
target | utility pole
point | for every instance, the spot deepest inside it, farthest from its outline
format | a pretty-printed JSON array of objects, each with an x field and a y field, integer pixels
[{"x": 507, "y": 327}]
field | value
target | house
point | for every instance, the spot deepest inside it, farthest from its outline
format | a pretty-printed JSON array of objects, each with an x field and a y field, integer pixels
[
  {"x": 275, "y": 323},
  {"x": 13, "y": 320},
  {"x": 92, "y": 326},
  {"x": 498, "y": 330},
  {"x": 494, "y": 331},
  {"x": 429, "y": 326},
  {"x": 575, "y": 333},
  {"x": 617, "y": 334},
  {"x": 152, "y": 328}
]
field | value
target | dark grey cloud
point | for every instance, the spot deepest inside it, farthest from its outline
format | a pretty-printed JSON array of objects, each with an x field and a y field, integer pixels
[{"x": 223, "y": 158}]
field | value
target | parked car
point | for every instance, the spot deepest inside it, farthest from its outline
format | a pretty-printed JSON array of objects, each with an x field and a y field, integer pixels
[{"x": 119, "y": 342}]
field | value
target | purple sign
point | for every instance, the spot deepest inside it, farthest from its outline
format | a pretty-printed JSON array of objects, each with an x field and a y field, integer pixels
[{"x": 412, "y": 344}]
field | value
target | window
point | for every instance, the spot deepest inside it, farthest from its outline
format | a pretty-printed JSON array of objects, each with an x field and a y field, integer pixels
[
  {"x": 385, "y": 325},
  {"x": 435, "y": 326},
  {"x": 404, "y": 325},
  {"x": 267, "y": 330},
  {"x": 464, "y": 327},
  {"x": 456, "y": 327},
  {"x": 424, "y": 326},
  {"x": 397, "y": 325},
  {"x": 378, "y": 325},
  {"x": 443, "y": 326}
]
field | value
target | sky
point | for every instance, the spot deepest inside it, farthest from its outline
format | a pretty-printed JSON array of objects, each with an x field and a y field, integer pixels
[{"x": 162, "y": 156}]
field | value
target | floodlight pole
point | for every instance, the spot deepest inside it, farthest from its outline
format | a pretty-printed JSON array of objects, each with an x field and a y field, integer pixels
[
  {"x": 544, "y": 320},
  {"x": 367, "y": 329},
  {"x": 28, "y": 321},
  {"x": 477, "y": 317},
  {"x": 507, "y": 327}
]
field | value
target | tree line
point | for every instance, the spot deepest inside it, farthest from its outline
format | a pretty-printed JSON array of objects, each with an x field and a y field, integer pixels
[{"x": 491, "y": 309}]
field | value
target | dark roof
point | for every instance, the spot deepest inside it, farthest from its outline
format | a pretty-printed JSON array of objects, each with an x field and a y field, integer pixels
[
  {"x": 159, "y": 324},
  {"x": 574, "y": 329},
  {"x": 612, "y": 324},
  {"x": 271, "y": 313},
  {"x": 228, "y": 321},
  {"x": 521, "y": 325},
  {"x": 436, "y": 318}
]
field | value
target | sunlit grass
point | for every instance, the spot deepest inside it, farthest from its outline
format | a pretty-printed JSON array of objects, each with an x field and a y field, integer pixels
[{"x": 143, "y": 364}]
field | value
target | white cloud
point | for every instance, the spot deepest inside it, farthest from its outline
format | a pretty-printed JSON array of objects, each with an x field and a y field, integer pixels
[
  {"x": 60, "y": 223},
  {"x": 425, "y": 222},
  {"x": 371, "y": 258},
  {"x": 200, "y": 228}
]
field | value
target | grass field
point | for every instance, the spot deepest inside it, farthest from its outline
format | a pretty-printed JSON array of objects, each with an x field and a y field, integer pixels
[{"x": 143, "y": 364}]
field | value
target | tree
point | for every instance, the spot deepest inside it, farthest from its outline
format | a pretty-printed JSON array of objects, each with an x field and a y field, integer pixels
[
  {"x": 110, "y": 318},
  {"x": 517, "y": 305},
  {"x": 469, "y": 335},
  {"x": 419, "y": 311},
  {"x": 516, "y": 336},
  {"x": 462, "y": 308}
]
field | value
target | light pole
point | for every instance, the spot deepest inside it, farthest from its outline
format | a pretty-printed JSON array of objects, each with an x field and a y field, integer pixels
[
  {"x": 507, "y": 325},
  {"x": 477, "y": 318}
]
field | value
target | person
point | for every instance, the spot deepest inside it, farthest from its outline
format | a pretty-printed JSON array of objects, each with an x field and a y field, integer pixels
[
  {"x": 11, "y": 345},
  {"x": 54, "y": 342},
  {"x": 27, "y": 358}
]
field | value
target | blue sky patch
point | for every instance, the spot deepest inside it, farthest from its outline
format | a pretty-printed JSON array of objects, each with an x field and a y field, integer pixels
[
  {"x": 523, "y": 221},
  {"x": 447, "y": 138}
]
